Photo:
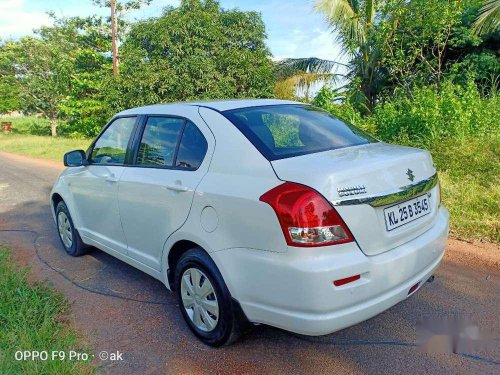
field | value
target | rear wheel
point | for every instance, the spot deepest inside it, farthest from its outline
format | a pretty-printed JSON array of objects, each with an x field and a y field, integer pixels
[
  {"x": 204, "y": 299},
  {"x": 68, "y": 235}
]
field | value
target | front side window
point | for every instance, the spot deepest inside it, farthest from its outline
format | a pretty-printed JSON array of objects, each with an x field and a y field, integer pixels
[
  {"x": 111, "y": 147},
  {"x": 192, "y": 148},
  {"x": 284, "y": 131},
  {"x": 159, "y": 141}
]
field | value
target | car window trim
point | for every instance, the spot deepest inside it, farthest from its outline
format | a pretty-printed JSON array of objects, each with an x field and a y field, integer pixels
[
  {"x": 140, "y": 134},
  {"x": 129, "y": 144}
]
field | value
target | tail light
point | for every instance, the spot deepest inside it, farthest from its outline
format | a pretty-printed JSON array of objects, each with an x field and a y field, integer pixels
[{"x": 306, "y": 217}]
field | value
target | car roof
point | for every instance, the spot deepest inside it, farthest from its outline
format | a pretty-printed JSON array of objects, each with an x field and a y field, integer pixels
[{"x": 217, "y": 105}]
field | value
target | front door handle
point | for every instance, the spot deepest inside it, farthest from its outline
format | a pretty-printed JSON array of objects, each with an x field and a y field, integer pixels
[{"x": 178, "y": 188}]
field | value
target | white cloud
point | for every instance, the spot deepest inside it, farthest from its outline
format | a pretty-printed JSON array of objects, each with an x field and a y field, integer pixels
[{"x": 17, "y": 20}]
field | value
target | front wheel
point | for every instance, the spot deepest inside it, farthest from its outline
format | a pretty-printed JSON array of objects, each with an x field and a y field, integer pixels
[
  {"x": 204, "y": 299},
  {"x": 68, "y": 235}
]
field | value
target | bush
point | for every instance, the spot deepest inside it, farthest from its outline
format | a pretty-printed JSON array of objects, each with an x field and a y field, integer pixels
[
  {"x": 329, "y": 100},
  {"x": 432, "y": 114}
]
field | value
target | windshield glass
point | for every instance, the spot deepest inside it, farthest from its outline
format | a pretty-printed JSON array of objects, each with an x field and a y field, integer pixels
[{"x": 284, "y": 131}]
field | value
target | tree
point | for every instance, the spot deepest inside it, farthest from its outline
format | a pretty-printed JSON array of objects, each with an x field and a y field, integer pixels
[
  {"x": 43, "y": 74},
  {"x": 9, "y": 100},
  {"x": 118, "y": 9},
  {"x": 84, "y": 109},
  {"x": 427, "y": 42},
  {"x": 353, "y": 22},
  {"x": 196, "y": 51},
  {"x": 295, "y": 75},
  {"x": 59, "y": 72},
  {"x": 488, "y": 19}
]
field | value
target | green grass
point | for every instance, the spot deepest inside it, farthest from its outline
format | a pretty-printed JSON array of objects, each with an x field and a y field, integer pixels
[
  {"x": 28, "y": 125},
  {"x": 469, "y": 171},
  {"x": 52, "y": 148},
  {"x": 34, "y": 317}
]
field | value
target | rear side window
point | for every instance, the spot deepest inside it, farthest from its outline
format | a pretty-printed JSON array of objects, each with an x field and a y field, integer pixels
[
  {"x": 111, "y": 146},
  {"x": 284, "y": 131},
  {"x": 192, "y": 148},
  {"x": 159, "y": 141}
]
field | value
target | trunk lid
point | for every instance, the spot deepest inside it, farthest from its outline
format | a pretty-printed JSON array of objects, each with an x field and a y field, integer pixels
[{"x": 367, "y": 171}]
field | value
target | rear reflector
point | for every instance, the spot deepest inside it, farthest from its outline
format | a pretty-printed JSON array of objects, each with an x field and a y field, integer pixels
[
  {"x": 413, "y": 288},
  {"x": 347, "y": 280}
]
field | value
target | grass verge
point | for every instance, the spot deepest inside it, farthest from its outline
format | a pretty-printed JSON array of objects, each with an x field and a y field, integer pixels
[
  {"x": 469, "y": 171},
  {"x": 34, "y": 317},
  {"x": 52, "y": 148}
]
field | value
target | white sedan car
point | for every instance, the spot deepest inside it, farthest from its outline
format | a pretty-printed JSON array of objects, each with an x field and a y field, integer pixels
[{"x": 260, "y": 211}]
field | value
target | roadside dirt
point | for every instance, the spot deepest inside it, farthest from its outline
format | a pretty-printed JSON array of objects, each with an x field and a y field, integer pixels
[
  {"x": 470, "y": 253},
  {"x": 32, "y": 161}
]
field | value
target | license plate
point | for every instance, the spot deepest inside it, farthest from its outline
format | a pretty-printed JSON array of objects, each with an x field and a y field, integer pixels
[{"x": 406, "y": 212}]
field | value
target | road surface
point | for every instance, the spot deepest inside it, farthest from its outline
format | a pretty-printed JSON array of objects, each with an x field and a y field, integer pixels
[{"x": 118, "y": 308}]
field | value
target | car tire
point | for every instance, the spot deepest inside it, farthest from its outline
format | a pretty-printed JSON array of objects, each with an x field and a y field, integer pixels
[
  {"x": 69, "y": 236},
  {"x": 229, "y": 318}
]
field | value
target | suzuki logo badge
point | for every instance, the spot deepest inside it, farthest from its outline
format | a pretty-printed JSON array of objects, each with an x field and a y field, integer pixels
[{"x": 410, "y": 175}]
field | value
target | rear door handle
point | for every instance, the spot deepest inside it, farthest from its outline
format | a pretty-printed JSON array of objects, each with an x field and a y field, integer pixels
[{"x": 178, "y": 188}]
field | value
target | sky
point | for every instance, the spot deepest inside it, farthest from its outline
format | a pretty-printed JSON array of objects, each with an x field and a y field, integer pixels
[{"x": 294, "y": 29}]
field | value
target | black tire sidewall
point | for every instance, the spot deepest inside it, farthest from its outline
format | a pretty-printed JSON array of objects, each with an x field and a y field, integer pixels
[
  {"x": 221, "y": 334},
  {"x": 73, "y": 250}
]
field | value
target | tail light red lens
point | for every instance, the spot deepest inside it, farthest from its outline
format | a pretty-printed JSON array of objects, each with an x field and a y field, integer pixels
[{"x": 306, "y": 217}]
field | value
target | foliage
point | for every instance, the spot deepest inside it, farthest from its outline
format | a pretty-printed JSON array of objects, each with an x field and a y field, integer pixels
[
  {"x": 354, "y": 23},
  {"x": 416, "y": 35},
  {"x": 296, "y": 76},
  {"x": 42, "y": 72},
  {"x": 425, "y": 42},
  {"x": 9, "y": 88},
  {"x": 59, "y": 73},
  {"x": 84, "y": 106},
  {"x": 334, "y": 101},
  {"x": 436, "y": 113},
  {"x": 196, "y": 51},
  {"x": 34, "y": 317},
  {"x": 488, "y": 19}
]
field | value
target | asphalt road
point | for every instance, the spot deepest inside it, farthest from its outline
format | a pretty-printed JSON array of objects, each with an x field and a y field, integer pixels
[{"x": 118, "y": 308}]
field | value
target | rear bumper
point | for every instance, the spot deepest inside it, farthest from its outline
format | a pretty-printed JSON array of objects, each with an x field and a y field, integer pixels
[{"x": 295, "y": 290}]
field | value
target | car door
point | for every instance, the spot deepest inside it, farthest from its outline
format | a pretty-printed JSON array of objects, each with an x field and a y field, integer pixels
[
  {"x": 155, "y": 195},
  {"x": 95, "y": 188}
]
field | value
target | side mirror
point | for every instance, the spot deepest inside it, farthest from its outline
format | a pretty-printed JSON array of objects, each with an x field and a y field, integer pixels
[{"x": 75, "y": 158}]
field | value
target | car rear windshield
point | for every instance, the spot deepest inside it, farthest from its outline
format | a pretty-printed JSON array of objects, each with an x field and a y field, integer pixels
[{"x": 284, "y": 131}]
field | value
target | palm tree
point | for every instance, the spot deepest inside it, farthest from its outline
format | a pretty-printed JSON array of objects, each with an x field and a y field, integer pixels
[
  {"x": 352, "y": 21},
  {"x": 489, "y": 17},
  {"x": 300, "y": 74}
]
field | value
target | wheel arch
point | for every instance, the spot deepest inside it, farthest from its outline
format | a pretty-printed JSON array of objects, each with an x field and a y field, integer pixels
[
  {"x": 176, "y": 251},
  {"x": 55, "y": 198}
]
